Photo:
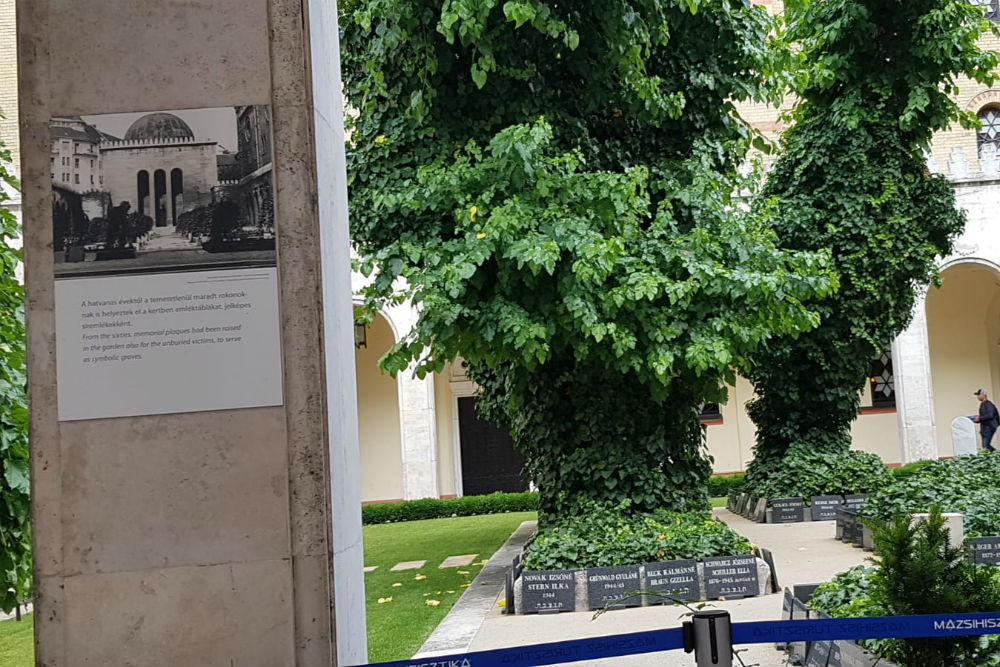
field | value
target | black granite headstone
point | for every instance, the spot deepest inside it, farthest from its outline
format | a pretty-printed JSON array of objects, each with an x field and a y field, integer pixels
[
  {"x": 854, "y": 500},
  {"x": 786, "y": 614},
  {"x": 606, "y": 586},
  {"x": 849, "y": 654},
  {"x": 819, "y": 654},
  {"x": 548, "y": 591},
  {"x": 984, "y": 549},
  {"x": 508, "y": 590},
  {"x": 676, "y": 578},
  {"x": 797, "y": 650},
  {"x": 731, "y": 577},
  {"x": 824, "y": 508},
  {"x": 760, "y": 514},
  {"x": 787, "y": 510},
  {"x": 804, "y": 592},
  {"x": 850, "y": 521}
]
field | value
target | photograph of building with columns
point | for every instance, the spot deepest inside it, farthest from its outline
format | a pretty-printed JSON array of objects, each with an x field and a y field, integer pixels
[
  {"x": 422, "y": 438},
  {"x": 161, "y": 191}
]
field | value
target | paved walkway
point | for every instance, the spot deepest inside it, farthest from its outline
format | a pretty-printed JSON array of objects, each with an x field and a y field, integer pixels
[{"x": 804, "y": 553}]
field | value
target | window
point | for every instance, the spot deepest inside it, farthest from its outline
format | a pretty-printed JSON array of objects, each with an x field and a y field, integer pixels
[
  {"x": 76, "y": 178},
  {"x": 91, "y": 179},
  {"x": 990, "y": 7},
  {"x": 710, "y": 413},
  {"x": 990, "y": 131},
  {"x": 76, "y": 162},
  {"x": 882, "y": 381}
]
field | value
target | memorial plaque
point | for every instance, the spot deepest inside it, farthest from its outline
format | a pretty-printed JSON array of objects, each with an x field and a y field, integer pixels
[
  {"x": 508, "y": 591},
  {"x": 787, "y": 510},
  {"x": 786, "y": 614},
  {"x": 849, "y": 654},
  {"x": 984, "y": 549},
  {"x": 731, "y": 577},
  {"x": 819, "y": 654},
  {"x": 548, "y": 591},
  {"x": 859, "y": 532},
  {"x": 606, "y": 586},
  {"x": 804, "y": 592},
  {"x": 850, "y": 517},
  {"x": 676, "y": 578},
  {"x": 854, "y": 500},
  {"x": 760, "y": 513},
  {"x": 824, "y": 508},
  {"x": 798, "y": 649}
]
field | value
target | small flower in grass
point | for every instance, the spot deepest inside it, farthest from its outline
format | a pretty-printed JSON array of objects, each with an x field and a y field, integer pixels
[
  {"x": 432, "y": 603},
  {"x": 384, "y": 600},
  {"x": 397, "y": 585},
  {"x": 420, "y": 577}
]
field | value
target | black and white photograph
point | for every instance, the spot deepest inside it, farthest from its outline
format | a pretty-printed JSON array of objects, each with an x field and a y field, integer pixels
[{"x": 162, "y": 191}]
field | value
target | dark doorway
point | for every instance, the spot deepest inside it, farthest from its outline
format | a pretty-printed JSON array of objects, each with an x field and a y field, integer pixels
[{"x": 489, "y": 460}]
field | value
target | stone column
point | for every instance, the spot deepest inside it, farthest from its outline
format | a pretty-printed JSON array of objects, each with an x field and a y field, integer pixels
[
  {"x": 418, "y": 431},
  {"x": 230, "y": 537},
  {"x": 911, "y": 364}
]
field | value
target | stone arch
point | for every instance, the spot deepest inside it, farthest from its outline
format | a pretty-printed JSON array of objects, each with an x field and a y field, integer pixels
[
  {"x": 983, "y": 99},
  {"x": 963, "y": 326},
  {"x": 379, "y": 423}
]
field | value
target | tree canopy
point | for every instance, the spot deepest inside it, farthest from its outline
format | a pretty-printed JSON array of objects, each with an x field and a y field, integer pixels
[{"x": 552, "y": 186}]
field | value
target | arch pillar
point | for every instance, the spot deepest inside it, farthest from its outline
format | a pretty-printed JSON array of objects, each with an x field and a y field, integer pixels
[
  {"x": 418, "y": 434},
  {"x": 914, "y": 393}
]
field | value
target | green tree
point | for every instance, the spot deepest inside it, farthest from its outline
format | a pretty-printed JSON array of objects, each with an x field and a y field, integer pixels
[
  {"x": 15, "y": 507},
  {"x": 554, "y": 184},
  {"x": 878, "y": 77},
  {"x": 918, "y": 571}
]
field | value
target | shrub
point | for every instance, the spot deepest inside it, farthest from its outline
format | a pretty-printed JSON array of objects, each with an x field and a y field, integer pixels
[
  {"x": 807, "y": 472},
  {"x": 436, "y": 508},
  {"x": 719, "y": 486},
  {"x": 604, "y": 534},
  {"x": 919, "y": 572},
  {"x": 967, "y": 484}
]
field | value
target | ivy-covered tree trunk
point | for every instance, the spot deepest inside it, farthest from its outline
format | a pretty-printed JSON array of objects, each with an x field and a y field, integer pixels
[
  {"x": 876, "y": 83},
  {"x": 590, "y": 434}
]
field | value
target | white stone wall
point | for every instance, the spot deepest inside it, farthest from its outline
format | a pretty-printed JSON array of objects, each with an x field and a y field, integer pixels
[{"x": 123, "y": 161}]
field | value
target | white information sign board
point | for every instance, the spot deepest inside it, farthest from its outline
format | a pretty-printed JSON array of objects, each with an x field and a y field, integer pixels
[{"x": 165, "y": 343}]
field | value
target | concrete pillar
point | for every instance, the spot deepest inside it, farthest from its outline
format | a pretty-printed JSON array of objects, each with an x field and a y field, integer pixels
[
  {"x": 418, "y": 431},
  {"x": 230, "y": 537},
  {"x": 911, "y": 365}
]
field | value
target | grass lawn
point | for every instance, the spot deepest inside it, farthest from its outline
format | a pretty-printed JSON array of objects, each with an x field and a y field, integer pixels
[
  {"x": 415, "y": 601},
  {"x": 717, "y": 502},
  {"x": 17, "y": 646}
]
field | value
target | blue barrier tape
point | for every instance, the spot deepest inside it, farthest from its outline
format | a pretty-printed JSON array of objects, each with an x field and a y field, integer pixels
[
  {"x": 874, "y": 627},
  {"x": 753, "y": 632},
  {"x": 556, "y": 653}
]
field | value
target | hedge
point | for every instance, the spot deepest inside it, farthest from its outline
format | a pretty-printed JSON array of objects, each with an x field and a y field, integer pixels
[
  {"x": 436, "y": 508},
  {"x": 719, "y": 486}
]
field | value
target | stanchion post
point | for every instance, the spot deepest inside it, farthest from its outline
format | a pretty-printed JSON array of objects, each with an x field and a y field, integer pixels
[{"x": 709, "y": 635}]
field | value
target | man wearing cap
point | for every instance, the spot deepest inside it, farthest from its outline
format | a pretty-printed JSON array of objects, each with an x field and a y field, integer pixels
[{"x": 988, "y": 418}]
